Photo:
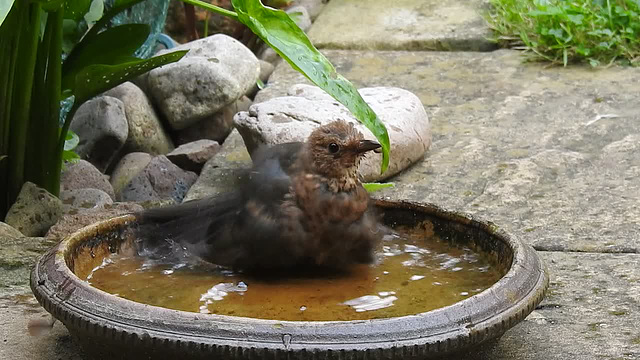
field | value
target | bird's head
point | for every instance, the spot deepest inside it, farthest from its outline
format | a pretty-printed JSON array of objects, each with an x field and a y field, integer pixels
[{"x": 335, "y": 150}]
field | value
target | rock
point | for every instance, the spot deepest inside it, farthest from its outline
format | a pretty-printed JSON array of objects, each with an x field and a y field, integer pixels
[
  {"x": 101, "y": 124},
  {"x": 146, "y": 133},
  {"x": 71, "y": 223},
  {"x": 159, "y": 180},
  {"x": 9, "y": 231},
  {"x": 82, "y": 175},
  {"x": 84, "y": 200},
  {"x": 403, "y": 25},
  {"x": 128, "y": 167},
  {"x": 192, "y": 156},
  {"x": 221, "y": 173},
  {"x": 17, "y": 256},
  {"x": 269, "y": 55},
  {"x": 214, "y": 128},
  {"x": 314, "y": 7},
  {"x": 292, "y": 118},
  {"x": 300, "y": 16},
  {"x": 266, "y": 69},
  {"x": 34, "y": 211},
  {"x": 217, "y": 71}
]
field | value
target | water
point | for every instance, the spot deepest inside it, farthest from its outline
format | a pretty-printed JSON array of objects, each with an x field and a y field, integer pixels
[{"x": 411, "y": 275}]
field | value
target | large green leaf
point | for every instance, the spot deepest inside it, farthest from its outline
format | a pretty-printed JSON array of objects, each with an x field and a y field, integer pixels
[
  {"x": 97, "y": 78},
  {"x": 5, "y": 6},
  {"x": 108, "y": 47},
  {"x": 75, "y": 9},
  {"x": 277, "y": 29}
]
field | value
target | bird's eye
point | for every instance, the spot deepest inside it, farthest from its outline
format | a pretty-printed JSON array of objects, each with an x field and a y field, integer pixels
[{"x": 334, "y": 148}]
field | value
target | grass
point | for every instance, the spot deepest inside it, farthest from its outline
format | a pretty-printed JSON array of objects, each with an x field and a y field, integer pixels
[{"x": 598, "y": 32}]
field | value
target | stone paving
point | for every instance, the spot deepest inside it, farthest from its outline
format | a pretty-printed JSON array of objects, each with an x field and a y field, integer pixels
[{"x": 550, "y": 154}]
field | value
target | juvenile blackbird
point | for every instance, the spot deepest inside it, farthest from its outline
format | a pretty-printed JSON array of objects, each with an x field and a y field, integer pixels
[{"x": 300, "y": 205}]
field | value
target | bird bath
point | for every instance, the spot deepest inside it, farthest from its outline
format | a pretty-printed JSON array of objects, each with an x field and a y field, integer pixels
[{"x": 113, "y": 327}]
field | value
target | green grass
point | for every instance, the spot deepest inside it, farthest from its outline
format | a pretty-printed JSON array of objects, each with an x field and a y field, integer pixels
[{"x": 598, "y": 32}]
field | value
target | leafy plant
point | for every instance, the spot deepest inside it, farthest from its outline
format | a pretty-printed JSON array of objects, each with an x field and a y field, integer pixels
[
  {"x": 563, "y": 32},
  {"x": 102, "y": 59},
  {"x": 34, "y": 79}
]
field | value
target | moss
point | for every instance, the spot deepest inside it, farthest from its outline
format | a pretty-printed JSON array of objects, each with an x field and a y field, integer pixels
[
  {"x": 593, "y": 326},
  {"x": 529, "y": 229},
  {"x": 636, "y": 340}
]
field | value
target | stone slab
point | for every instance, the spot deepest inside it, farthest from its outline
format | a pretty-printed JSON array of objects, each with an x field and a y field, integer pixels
[
  {"x": 550, "y": 154},
  {"x": 403, "y": 25},
  {"x": 591, "y": 312}
]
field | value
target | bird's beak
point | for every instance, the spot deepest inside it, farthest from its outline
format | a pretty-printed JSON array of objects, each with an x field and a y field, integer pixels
[{"x": 367, "y": 145}]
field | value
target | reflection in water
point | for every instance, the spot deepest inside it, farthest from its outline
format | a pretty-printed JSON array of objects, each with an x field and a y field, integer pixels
[{"x": 411, "y": 275}]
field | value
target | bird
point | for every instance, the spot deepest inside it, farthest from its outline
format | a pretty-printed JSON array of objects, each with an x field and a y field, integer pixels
[{"x": 300, "y": 205}]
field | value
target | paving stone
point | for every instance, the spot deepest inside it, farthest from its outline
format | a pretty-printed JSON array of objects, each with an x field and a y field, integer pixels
[
  {"x": 551, "y": 154},
  {"x": 402, "y": 25},
  {"x": 15, "y": 314},
  {"x": 592, "y": 311}
]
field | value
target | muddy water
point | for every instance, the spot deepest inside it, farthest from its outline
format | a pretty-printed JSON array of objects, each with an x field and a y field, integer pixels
[{"x": 411, "y": 275}]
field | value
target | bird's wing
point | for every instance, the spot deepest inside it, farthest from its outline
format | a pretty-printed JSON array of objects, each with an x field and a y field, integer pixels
[{"x": 269, "y": 180}]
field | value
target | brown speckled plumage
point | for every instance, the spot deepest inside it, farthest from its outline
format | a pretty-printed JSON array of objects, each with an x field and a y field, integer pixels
[{"x": 301, "y": 204}]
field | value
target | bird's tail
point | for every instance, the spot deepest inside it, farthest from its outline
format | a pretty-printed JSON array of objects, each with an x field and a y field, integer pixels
[{"x": 188, "y": 225}]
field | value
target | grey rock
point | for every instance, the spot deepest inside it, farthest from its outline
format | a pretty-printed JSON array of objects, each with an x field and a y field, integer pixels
[
  {"x": 403, "y": 25},
  {"x": 81, "y": 175},
  {"x": 102, "y": 126},
  {"x": 71, "y": 223},
  {"x": 216, "y": 72},
  {"x": 9, "y": 231},
  {"x": 17, "y": 257},
  {"x": 269, "y": 55},
  {"x": 146, "y": 133},
  {"x": 292, "y": 118},
  {"x": 314, "y": 7},
  {"x": 266, "y": 69},
  {"x": 84, "y": 200},
  {"x": 221, "y": 173},
  {"x": 301, "y": 17},
  {"x": 128, "y": 167},
  {"x": 34, "y": 211},
  {"x": 216, "y": 127},
  {"x": 159, "y": 180},
  {"x": 192, "y": 156}
]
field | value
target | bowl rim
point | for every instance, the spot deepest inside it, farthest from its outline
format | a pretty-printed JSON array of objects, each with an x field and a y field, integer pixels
[{"x": 465, "y": 323}]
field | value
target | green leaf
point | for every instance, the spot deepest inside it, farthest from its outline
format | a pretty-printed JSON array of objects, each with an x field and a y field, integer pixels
[
  {"x": 576, "y": 19},
  {"x": 2, "y": 157},
  {"x": 97, "y": 78},
  {"x": 69, "y": 156},
  {"x": 277, "y": 29},
  {"x": 373, "y": 187},
  {"x": 108, "y": 47},
  {"x": 71, "y": 141},
  {"x": 95, "y": 12},
  {"x": 75, "y": 9},
  {"x": 5, "y": 6}
]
